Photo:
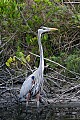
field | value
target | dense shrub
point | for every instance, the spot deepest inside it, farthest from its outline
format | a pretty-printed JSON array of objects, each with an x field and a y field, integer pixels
[{"x": 25, "y": 17}]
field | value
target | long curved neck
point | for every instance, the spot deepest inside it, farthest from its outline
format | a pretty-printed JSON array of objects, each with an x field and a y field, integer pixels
[{"x": 41, "y": 65}]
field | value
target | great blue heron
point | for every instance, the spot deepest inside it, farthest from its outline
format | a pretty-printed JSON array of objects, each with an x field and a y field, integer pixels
[{"x": 37, "y": 87}]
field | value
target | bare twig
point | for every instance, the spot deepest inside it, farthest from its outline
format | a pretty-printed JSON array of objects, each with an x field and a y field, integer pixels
[
  {"x": 74, "y": 73},
  {"x": 10, "y": 80},
  {"x": 9, "y": 39},
  {"x": 71, "y": 89},
  {"x": 71, "y": 2}
]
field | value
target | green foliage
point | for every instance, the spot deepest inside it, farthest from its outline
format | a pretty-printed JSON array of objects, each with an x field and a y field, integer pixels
[
  {"x": 30, "y": 39},
  {"x": 10, "y": 60},
  {"x": 10, "y": 16},
  {"x": 19, "y": 57},
  {"x": 28, "y": 58},
  {"x": 59, "y": 59},
  {"x": 71, "y": 61},
  {"x": 27, "y": 18},
  {"x": 43, "y": 1},
  {"x": 23, "y": 58}
]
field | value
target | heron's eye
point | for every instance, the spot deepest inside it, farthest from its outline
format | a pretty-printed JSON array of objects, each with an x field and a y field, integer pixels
[{"x": 44, "y": 29}]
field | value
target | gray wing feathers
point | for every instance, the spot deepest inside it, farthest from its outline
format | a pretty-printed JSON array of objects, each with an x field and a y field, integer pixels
[{"x": 26, "y": 87}]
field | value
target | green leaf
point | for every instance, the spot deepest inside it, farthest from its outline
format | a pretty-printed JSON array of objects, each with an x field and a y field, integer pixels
[
  {"x": 7, "y": 64},
  {"x": 21, "y": 54},
  {"x": 10, "y": 60},
  {"x": 14, "y": 58},
  {"x": 28, "y": 58},
  {"x": 23, "y": 59},
  {"x": 45, "y": 37}
]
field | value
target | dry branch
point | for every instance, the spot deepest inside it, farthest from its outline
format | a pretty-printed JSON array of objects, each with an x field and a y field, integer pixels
[
  {"x": 12, "y": 36},
  {"x": 72, "y": 89},
  {"x": 74, "y": 73}
]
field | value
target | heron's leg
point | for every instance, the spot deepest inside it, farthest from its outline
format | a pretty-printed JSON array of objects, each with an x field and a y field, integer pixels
[
  {"x": 37, "y": 97},
  {"x": 27, "y": 99}
]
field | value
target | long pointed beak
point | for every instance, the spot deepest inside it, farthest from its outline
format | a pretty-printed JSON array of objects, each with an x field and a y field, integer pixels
[{"x": 53, "y": 29}]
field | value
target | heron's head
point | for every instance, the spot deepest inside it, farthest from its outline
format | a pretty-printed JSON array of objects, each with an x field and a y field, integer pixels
[{"x": 46, "y": 29}]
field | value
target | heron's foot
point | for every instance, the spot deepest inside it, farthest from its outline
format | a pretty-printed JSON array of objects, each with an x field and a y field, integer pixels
[
  {"x": 27, "y": 99},
  {"x": 38, "y": 104},
  {"x": 37, "y": 97},
  {"x": 27, "y": 104}
]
